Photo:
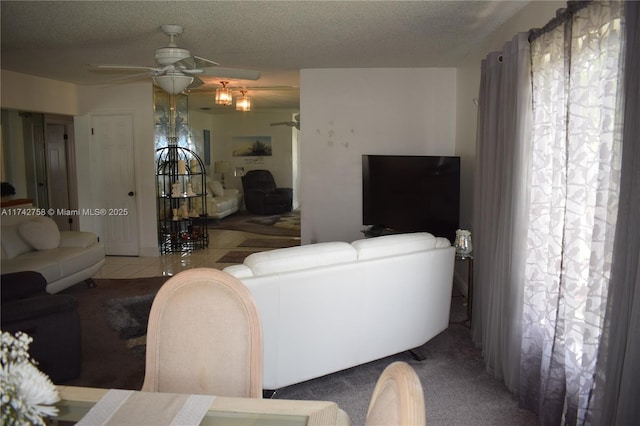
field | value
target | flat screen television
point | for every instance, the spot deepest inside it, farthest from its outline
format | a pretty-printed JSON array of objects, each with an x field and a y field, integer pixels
[{"x": 404, "y": 193}]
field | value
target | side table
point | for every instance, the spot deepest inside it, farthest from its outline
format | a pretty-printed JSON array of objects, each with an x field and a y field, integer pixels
[{"x": 468, "y": 259}]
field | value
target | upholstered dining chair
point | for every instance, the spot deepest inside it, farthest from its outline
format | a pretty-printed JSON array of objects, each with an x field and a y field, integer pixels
[
  {"x": 204, "y": 336},
  {"x": 397, "y": 398}
]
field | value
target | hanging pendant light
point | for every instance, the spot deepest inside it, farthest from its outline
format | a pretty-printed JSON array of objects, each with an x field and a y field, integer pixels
[
  {"x": 243, "y": 103},
  {"x": 223, "y": 95}
]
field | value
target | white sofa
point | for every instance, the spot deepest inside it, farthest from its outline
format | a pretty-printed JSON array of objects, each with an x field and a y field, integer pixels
[
  {"x": 34, "y": 243},
  {"x": 221, "y": 202},
  {"x": 330, "y": 306}
]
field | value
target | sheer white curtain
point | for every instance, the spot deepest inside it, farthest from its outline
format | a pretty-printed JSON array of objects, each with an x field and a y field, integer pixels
[{"x": 575, "y": 177}]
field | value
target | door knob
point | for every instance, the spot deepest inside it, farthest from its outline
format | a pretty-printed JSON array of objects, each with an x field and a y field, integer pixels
[{"x": 131, "y": 193}]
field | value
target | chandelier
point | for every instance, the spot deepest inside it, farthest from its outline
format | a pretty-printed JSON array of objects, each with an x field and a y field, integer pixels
[
  {"x": 223, "y": 95},
  {"x": 243, "y": 103}
]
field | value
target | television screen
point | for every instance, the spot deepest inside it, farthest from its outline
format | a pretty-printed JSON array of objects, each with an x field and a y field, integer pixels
[{"x": 403, "y": 193}]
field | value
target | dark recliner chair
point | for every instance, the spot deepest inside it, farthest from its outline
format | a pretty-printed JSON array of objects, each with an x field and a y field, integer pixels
[
  {"x": 261, "y": 196},
  {"x": 52, "y": 321}
]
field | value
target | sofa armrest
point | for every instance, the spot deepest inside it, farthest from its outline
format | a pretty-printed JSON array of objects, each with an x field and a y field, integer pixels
[
  {"x": 18, "y": 285},
  {"x": 38, "y": 306},
  {"x": 77, "y": 239},
  {"x": 239, "y": 271}
]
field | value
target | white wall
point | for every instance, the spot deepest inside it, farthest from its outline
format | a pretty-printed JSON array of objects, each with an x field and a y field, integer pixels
[
  {"x": 28, "y": 93},
  {"x": 346, "y": 113}
]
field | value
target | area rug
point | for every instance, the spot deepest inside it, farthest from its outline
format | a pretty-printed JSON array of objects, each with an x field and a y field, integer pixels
[
  {"x": 129, "y": 315},
  {"x": 270, "y": 242},
  {"x": 284, "y": 225},
  {"x": 283, "y": 221},
  {"x": 236, "y": 256}
]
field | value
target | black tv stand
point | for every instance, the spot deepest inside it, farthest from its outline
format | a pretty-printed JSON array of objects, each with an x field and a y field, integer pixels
[{"x": 377, "y": 231}]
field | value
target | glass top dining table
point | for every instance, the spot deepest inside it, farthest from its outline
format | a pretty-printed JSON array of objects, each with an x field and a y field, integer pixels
[{"x": 75, "y": 402}]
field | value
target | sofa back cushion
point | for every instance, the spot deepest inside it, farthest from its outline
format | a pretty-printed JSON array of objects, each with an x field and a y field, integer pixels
[
  {"x": 300, "y": 257},
  {"x": 12, "y": 243},
  {"x": 216, "y": 188},
  {"x": 391, "y": 245},
  {"x": 41, "y": 233},
  {"x": 28, "y": 234}
]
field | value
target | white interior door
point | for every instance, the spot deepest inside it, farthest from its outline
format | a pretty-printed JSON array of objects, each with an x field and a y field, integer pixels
[{"x": 113, "y": 173}]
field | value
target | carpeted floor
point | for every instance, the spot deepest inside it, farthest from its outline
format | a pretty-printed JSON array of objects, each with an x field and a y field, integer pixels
[
  {"x": 106, "y": 360},
  {"x": 457, "y": 388},
  {"x": 285, "y": 225}
]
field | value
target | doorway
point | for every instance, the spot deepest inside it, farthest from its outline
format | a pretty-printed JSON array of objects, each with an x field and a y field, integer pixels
[
  {"x": 61, "y": 172},
  {"x": 114, "y": 183},
  {"x": 39, "y": 161}
]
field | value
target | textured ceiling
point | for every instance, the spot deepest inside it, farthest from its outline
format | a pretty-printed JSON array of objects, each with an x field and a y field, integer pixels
[{"x": 58, "y": 39}]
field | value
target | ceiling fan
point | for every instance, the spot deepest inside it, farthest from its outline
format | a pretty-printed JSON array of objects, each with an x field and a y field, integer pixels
[
  {"x": 295, "y": 123},
  {"x": 177, "y": 69}
]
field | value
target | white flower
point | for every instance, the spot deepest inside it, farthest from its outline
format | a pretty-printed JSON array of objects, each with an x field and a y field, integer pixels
[
  {"x": 27, "y": 394},
  {"x": 36, "y": 389}
]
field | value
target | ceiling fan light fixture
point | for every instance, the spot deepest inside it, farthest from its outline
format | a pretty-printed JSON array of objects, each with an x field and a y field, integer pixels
[
  {"x": 173, "y": 83},
  {"x": 243, "y": 103},
  {"x": 223, "y": 95}
]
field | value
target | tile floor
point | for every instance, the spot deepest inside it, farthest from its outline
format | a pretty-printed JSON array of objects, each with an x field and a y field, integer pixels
[{"x": 220, "y": 242}]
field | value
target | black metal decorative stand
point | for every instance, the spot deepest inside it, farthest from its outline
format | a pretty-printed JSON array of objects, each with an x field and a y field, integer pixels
[{"x": 182, "y": 206}]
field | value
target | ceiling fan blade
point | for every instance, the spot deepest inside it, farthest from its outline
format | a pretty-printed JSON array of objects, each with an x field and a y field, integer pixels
[
  {"x": 204, "y": 62},
  {"x": 196, "y": 83},
  {"x": 196, "y": 62},
  {"x": 121, "y": 68},
  {"x": 235, "y": 73},
  {"x": 129, "y": 78}
]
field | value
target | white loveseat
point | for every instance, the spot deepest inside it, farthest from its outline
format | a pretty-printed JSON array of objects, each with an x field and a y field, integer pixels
[
  {"x": 330, "y": 306},
  {"x": 34, "y": 243},
  {"x": 221, "y": 202}
]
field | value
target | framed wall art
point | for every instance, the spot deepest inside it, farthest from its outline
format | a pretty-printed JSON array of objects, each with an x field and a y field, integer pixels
[{"x": 251, "y": 146}]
